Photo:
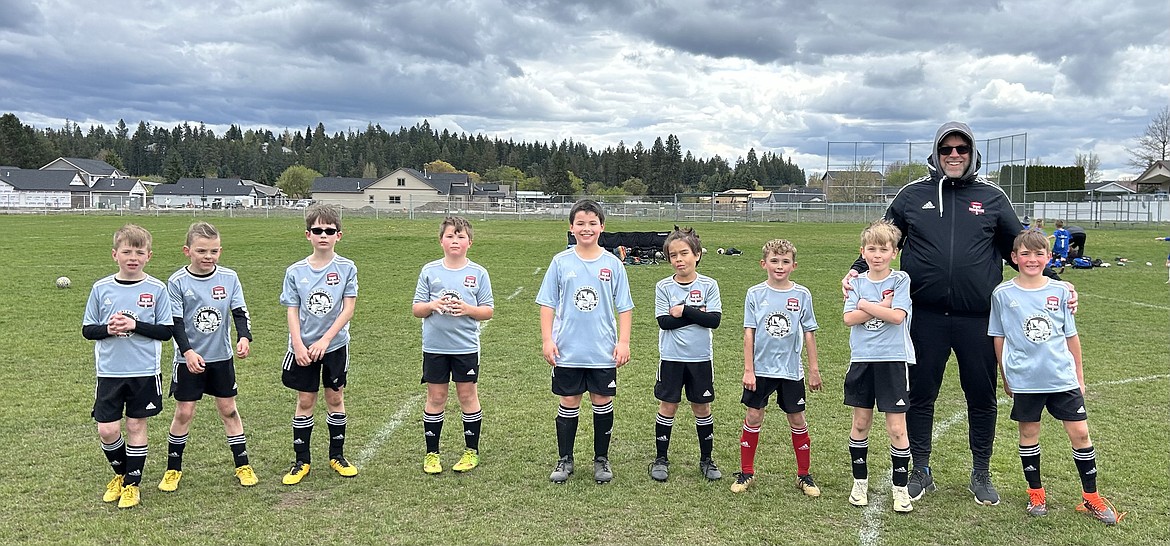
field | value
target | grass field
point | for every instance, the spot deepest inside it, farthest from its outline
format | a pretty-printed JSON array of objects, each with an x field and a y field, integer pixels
[{"x": 53, "y": 472}]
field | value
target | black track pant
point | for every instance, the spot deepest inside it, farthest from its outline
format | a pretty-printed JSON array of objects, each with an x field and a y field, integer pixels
[{"x": 935, "y": 335}]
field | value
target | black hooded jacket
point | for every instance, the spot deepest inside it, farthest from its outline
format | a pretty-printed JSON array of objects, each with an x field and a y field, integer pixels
[{"x": 956, "y": 234}]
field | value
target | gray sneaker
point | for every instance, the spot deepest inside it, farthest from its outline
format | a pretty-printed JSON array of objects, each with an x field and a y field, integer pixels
[
  {"x": 709, "y": 470},
  {"x": 563, "y": 470},
  {"x": 660, "y": 469},
  {"x": 601, "y": 470},
  {"x": 981, "y": 487},
  {"x": 921, "y": 481}
]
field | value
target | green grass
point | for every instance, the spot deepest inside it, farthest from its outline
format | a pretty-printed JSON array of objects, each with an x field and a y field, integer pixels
[{"x": 53, "y": 472}]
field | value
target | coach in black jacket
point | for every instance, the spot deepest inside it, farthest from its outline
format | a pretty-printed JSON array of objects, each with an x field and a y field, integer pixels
[{"x": 957, "y": 230}]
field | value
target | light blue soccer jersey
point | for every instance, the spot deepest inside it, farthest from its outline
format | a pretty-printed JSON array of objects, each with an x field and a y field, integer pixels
[
  {"x": 780, "y": 318},
  {"x": 128, "y": 355},
  {"x": 318, "y": 295},
  {"x": 876, "y": 340},
  {"x": 587, "y": 296},
  {"x": 691, "y": 343},
  {"x": 445, "y": 334},
  {"x": 1034, "y": 323},
  {"x": 205, "y": 304}
]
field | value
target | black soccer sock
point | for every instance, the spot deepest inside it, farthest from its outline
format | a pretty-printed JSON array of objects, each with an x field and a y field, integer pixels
[
  {"x": 336, "y": 422},
  {"x": 239, "y": 446},
  {"x": 135, "y": 461},
  {"x": 662, "y": 427},
  {"x": 900, "y": 465},
  {"x": 116, "y": 455},
  {"x": 705, "y": 427},
  {"x": 302, "y": 435},
  {"x": 566, "y": 430},
  {"x": 471, "y": 426},
  {"x": 1030, "y": 461},
  {"x": 859, "y": 454},
  {"x": 432, "y": 429},
  {"x": 175, "y": 446},
  {"x": 602, "y": 429},
  {"x": 1086, "y": 458}
]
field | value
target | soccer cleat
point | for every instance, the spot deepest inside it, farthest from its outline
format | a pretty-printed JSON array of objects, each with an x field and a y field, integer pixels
[
  {"x": 170, "y": 480},
  {"x": 432, "y": 464},
  {"x": 807, "y": 486},
  {"x": 982, "y": 488},
  {"x": 246, "y": 475},
  {"x": 743, "y": 480},
  {"x": 901, "y": 500},
  {"x": 563, "y": 470},
  {"x": 710, "y": 470},
  {"x": 601, "y": 470},
  {"x": 468, "y": 461},
  {"x": 859, "y": 496},
  {"x": 113, "y": 489},
  {"x": 921, "y": 482},
  {"x": 130, "y": 497},
  {"x": 660, "y": 469},
  {"x": 296, "y": 473},
  {"x": 1037, "y": 505},
  {"x": 343, "y": 467},
  {"x": 1095, "y": 505}
]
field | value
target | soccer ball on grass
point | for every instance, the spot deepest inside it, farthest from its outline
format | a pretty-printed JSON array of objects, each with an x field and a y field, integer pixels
[{"x": 63, "y": 282}]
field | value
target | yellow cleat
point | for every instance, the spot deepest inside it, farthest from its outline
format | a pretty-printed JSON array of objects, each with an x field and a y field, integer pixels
[
  {"x": 742, "y": 482},
  {"x": 468, "y": 461},
  {"x": 298, "y": 471},
  {"x": 114, "y": 489},
  {"x": 432, "y": 464},
  {"x": 807, "y": 486},
  {"x": 130, "y": 497},
  {"x": 246, "y": 475},
  {"x": 170, "y": 481},
  {"x": 343, "y": 467}
]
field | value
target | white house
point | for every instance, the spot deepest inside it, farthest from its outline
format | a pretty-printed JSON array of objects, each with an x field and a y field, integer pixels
[
  {"x": 401, "y": 189},
  {"x": 205, "y": 193},
  {"x": 30, "y": 188}
]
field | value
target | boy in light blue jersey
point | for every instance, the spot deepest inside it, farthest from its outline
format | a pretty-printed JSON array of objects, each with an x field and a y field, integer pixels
[
  {"x": 585, "y": 318},
  {"x": 128, "y": 314},
  {"x": 320, "y": 293},
  {"x": 203, "y": 295},
  {"x": 452, "y": 296},
  {"x": 778, "y": 321},
  {"x": 878, "y": 313},
  {"x": 688, "y": 307},
  {"x": 1039, "y": 354}
]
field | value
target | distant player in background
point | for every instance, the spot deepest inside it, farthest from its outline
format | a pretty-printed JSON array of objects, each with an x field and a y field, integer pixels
[
  {"x": 1060, "y": 245},
  {"x": 1167, "y": 257}
]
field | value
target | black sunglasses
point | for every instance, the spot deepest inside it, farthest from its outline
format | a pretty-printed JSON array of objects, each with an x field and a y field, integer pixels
[
  {"x": 326, "y": 231},
  {"x": 946, "y": 150}
]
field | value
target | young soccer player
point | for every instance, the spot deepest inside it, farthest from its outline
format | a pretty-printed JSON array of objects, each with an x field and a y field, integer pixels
[
  {"x": 1167, "y": 258},
  {"x": 1061, "y": 238},
  {"x": 1039, "y": 354},
  {"x": 688, "y": 307},
  {"x": 585, "y": 317},
  {"x": 320, "y": 293},
  {"x": 203, "y": 295},
  {"x": 778, "y": 321},
  {"x": 129, "y": 316},
  {"x": 878, "y": 313},
  {"x": 452, "y": 296}
]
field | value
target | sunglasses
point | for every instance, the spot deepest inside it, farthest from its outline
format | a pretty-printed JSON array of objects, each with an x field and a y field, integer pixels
[
  {"x": 324, "y": 231},
  {"x": 946, "y": 150}
]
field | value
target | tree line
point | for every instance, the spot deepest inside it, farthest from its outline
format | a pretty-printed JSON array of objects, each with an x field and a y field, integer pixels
[{"x": 564, "y": 168}]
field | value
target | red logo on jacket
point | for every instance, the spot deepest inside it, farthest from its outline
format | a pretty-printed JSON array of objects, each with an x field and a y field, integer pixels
[{"x": 976, "y": 208}]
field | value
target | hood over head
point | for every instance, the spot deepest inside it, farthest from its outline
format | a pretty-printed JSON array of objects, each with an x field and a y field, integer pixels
[{"x": 964, "y": 131}]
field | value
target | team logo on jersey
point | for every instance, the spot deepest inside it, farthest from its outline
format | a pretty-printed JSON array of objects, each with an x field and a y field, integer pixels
[
  {"x": 131, "y": 314},
  {"x": 218, "y": 293},
  {"x": 319, "y": 303},
  {"x": 207, "y": 320},
  {"x": 446, "y": 296},
  {"x": 976, "y": 208},
  {"x": 793, "y": 305},
  {"x": 695, "y": 297},
  {"x": 146, "y": 300},
  {"x": 1052, "y": 303},
  {"x": 778, "y": 325},
  {"x": 874, "y": 324},
  {"x": 332, "y": 278},
  {"x": 887, "y": 293},
  {"x": 585, "y": 299},
  {"x": 1038, "y": 328},
  {"x": 605, "y": 275},
  {"x": 469, "y": 281}
]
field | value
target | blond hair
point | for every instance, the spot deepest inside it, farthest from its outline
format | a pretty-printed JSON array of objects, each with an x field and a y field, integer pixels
[
  {"x": 132, "y": 235},
  {"x": 1030, "y": 239},
  {"x": 202, "y": 230},
  {"x": 779, "y": 247},
  {"x": 881, "y": 232}
]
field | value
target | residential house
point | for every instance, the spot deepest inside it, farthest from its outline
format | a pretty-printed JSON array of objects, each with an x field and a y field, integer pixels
[
  {"x": 117, "y": 193},
  {"x": 205, "y": 193},
  {"x": 33, "y": 188},
  {"x": 857, "y": 186},
  {"x": 266, "y": 195},
  {"x": 403, "y": 189},
  {"x": 1155, "y": 179},
  {"x": 90, "y": 170},
  {"x": 1110, "y": 190}
]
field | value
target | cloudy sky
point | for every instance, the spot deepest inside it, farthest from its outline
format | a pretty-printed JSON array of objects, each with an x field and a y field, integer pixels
[{"x": 787, "y": 76}]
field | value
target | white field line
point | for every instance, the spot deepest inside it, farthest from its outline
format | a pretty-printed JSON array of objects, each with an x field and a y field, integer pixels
[
  {"x": 868, "y": 534},
  {"x": 1131, "y": 380},
  {"x": 516, "y": 293},
  {"x": 371, "y": 448},
  {"x": 1137, "y": 303},
  {"x": 537, "y": 270}
]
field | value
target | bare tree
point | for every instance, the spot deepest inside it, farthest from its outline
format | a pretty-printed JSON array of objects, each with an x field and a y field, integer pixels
[
  {"x": 1091, "y": 163},
  {"x": 1154, "y": 145}
]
